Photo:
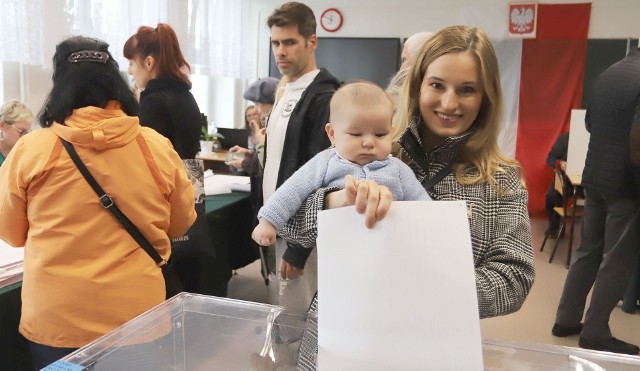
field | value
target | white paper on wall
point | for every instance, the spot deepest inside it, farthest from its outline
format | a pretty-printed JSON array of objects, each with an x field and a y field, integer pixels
[
  {"x": 578, "y": 143},
  {"x": 400, "y": 296}
]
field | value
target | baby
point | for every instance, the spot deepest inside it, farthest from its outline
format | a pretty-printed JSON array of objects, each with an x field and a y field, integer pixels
[{"x": 360, "y": 133}]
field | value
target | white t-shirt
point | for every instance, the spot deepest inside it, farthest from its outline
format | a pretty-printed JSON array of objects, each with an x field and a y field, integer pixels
[{"x": 277, "y": 130}]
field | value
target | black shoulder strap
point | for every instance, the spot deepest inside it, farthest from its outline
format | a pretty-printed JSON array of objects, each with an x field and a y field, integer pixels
[{"x": 108, "y": 204}]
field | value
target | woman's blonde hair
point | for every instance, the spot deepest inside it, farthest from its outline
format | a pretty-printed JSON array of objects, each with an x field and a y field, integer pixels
[
  {"x": 15, "y": 111},
  {"x": 479, "y": 151},
  {"x": 395, "y": 89}
]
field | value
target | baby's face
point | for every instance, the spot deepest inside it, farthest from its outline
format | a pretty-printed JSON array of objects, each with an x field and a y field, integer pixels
[{"x": 362, "y": 134}]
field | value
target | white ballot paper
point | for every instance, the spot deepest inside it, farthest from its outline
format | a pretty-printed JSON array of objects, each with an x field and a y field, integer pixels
[
  {"x": 400, "y": 296},
  {"x": 215, "y": 184},
  {"x": 11, "y": 264}
]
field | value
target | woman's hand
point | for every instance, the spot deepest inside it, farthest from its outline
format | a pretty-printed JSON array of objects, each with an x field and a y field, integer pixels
[
  {"x": 236, "y": 163},
  {"x": 370, "y": 198}
]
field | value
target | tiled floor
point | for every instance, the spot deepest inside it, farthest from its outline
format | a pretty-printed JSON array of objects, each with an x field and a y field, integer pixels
[{"x": 532, "y": 323}]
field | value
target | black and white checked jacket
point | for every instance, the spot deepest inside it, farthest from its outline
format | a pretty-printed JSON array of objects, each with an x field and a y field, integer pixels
[
  {"x": 499, "y": 222},
  {"x": 498, "y": 219}
]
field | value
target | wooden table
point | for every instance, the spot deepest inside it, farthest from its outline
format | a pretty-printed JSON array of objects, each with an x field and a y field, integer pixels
[
  {"x": 215, "y": 161},
  {"x": 575, "y": 179}
]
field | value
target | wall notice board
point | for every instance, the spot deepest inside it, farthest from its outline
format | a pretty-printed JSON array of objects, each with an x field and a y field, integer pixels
[{"x": 349, "y": 58}]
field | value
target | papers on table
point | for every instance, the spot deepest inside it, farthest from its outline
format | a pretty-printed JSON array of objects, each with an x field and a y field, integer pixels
[
  {"x": 215, "y": 184},
  {"x": 11, "y": 264},
  {"x": 400, "y": 296}
]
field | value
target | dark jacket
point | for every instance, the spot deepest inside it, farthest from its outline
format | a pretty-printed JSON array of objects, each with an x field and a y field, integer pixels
[
  {"x": 251, "y": 165},
  {"x": 160, "y": 114},
  {"x": 305, "y": 138},
  {"x": 614, "y": 102},
  {"x": 559, "y": 150}
]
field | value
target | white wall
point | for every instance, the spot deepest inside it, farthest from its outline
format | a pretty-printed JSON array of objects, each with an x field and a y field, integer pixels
[{"x": 401, "y": 18}]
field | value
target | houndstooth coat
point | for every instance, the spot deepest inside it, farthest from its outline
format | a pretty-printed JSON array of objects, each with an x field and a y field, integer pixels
[{"x": 498, "y": 219}]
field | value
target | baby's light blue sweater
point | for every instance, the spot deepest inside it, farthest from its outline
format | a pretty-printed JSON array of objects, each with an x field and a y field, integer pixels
[{"x": 328, "y": 169}]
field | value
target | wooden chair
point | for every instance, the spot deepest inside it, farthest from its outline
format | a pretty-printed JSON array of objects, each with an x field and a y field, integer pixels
[{"x": 570, "y": 210}]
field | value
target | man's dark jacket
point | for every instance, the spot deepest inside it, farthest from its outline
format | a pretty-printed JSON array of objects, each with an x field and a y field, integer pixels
[
  {"x": 306, "y": 137},
  {"x": 614, "y": 104}
]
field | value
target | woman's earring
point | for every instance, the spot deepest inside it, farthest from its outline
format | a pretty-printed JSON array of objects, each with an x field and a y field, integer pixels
[{"x": 3, "y": 135}]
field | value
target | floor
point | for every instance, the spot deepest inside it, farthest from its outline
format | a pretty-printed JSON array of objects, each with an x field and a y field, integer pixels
[{"x": 532, "y": 323}]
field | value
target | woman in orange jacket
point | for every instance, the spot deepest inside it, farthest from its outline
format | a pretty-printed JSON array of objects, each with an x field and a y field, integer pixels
[{"x": 84, "y": 275}]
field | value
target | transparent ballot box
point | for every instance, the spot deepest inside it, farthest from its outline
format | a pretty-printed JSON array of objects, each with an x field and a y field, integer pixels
[
  {"x": 198, "y": 332},
  {"x": 501, "y": 355},
  {"x": 195, "y": 332}
]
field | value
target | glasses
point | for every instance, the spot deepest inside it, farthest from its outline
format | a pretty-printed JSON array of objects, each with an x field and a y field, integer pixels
[{"x": 21, "y": 132}]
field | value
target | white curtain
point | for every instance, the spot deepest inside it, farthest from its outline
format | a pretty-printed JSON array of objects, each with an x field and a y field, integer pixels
[
  {"x": 222, "y": 38},
  {"x": 21, "y": 38},
  {"x": 218, "y": 37},
  {"x": 114, "y": 21}
]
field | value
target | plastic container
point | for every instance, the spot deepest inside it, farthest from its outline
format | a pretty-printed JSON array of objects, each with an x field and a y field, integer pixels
[{"x": 196, "y": 332}]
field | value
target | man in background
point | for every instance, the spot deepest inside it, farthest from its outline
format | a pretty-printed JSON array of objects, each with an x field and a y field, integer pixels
[
  {"x": 412, "y": 47},
  {"x": 557, "y": 158},
  {"x": 610, "y": 242},
  {"x": 295, "y": 133}
]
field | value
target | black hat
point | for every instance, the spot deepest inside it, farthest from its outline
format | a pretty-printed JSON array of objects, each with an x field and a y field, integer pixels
[{"x": 262, "y": 90}]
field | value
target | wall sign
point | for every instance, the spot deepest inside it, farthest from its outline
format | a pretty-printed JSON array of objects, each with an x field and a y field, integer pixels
[{"x": 523, "y": 18}]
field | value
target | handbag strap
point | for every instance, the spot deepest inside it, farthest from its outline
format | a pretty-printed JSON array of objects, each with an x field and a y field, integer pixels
[{"x": 108, "y": 203}]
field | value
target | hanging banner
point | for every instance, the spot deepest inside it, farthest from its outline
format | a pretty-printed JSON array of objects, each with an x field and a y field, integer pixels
[{"x": 523, "y": 18}]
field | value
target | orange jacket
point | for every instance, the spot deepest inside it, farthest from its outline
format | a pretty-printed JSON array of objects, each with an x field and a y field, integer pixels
[{"x": 83, "y": 273}]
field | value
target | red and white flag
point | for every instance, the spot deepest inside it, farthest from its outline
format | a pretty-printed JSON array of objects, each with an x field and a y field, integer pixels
[{"x": 541, "y": 81}]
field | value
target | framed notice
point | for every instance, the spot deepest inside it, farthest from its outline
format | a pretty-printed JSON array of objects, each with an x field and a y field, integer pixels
[{"x": 523, "y": 17}]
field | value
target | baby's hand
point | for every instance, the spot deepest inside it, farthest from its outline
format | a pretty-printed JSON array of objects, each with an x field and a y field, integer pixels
[{"x": 264, "y": 233}]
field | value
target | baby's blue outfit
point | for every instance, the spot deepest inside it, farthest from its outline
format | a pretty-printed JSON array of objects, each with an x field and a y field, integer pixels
[{"x": 328, "y": 169}]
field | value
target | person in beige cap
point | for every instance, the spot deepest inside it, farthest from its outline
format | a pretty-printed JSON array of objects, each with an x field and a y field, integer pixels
[{"x": 262, "y": 93}]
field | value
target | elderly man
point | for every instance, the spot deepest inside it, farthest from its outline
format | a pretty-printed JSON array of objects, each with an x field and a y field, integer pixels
[{"x": 412, "y": 47}]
